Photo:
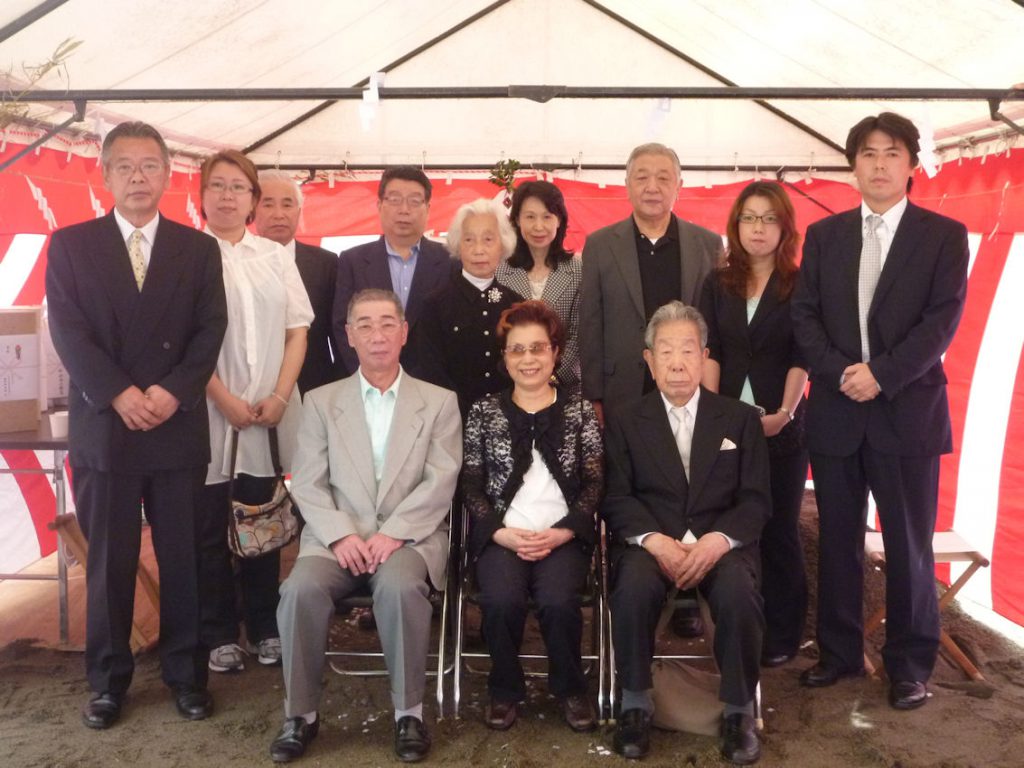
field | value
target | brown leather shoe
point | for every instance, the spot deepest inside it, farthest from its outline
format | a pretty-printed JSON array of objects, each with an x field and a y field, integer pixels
[
  {"x": 579, "y": 713},
  {"x": 501, "y": 715}
]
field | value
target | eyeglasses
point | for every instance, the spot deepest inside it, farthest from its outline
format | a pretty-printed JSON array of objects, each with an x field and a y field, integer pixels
[
  {"x": 236, "y": 188},
  {"x": 768, "y": 219},
  {"x": 126, "y": 170},
  {"x": 367, "y": 328},
  {"x": 397, "y": 201},
  {"x": 535, "y": 349}
]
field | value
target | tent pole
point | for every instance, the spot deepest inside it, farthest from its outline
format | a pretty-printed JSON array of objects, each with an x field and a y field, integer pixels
[
  {"x": 78, "y": 117},
  {"x": 28, "y": 18}
]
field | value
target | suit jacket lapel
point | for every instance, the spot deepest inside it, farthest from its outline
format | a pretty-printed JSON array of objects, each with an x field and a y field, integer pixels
[
  {"x": 406, "y": 425},
  {"x": 351, "y": 422},
  {"x": 662, "y": 442},
  {"x": 426, "y": 266},
  {"x": 557, "y": 283},
  {"x": 110, "y": 258},
  {"x": 899, "y": 253},
  {"x": 708, "y": 431},
  {"x": 162, "y": 277},
  {"x": 767, "y": 304},
  {"x": 517, "y": 280},
  {"x": 628, "y": 261},
  {"x": 689, "y": 267},
  {"x": 376, "y": 266}
]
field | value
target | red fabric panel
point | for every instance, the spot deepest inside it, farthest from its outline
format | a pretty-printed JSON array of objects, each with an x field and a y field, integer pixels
[
  {"x": 1008, "y": 548},
  {"x": 39, "y": 496}
]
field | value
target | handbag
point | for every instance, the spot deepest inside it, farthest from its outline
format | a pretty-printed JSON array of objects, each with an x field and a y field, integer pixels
[{"x": 258, "y": 529}]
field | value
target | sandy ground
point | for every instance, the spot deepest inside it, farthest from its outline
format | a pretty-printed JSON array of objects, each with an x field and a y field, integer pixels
[{"x": 964, "y": 724}]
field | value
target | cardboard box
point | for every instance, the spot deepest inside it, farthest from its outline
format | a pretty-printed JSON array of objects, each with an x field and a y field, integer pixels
[{"x": 20, "y": 369}]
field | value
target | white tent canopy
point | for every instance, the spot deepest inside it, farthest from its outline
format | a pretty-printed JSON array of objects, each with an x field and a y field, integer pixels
[{"x": 442, "y": 44}]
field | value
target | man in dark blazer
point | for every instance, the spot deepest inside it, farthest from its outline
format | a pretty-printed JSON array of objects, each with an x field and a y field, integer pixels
[
  {"x": 879, "y": 297},
  {"x": 687, "y": 496},
  {"x": 633, "y": 267},
  {"x": 402, "y": 260},
  {"x": 277, "y": 218},
  {"x": 629, "y": 270},
  {"x": 137, "y": 311}
]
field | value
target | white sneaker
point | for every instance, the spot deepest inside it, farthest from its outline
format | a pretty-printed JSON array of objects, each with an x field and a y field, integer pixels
[
  {"x": 268, "y": 651},
  {"x": 227, "y": 658}
]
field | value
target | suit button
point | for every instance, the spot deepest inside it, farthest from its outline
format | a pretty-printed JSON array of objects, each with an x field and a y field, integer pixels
[
  {"x": 166, "y": 345},
  {"x": 487, "y": 354},
  {"x": 485, "y": 313},
  {"x": 456, "y": 328},
  {"x": 487, "y": 333},
  {"x": 487, "y": 375},
  {"x": 380, "y": 518}
]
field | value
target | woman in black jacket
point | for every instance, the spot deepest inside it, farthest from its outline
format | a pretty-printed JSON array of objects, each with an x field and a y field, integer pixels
[
  {"x": 532, "y": 481},
  {"x": 754, "y": 357}
]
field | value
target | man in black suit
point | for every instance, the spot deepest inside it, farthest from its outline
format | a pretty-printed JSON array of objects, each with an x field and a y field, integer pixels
[
  {"x": 277, "y": 219},
  {"x": 687, "y": 497},
  {"x": 879, "y": 297},
  {"x": 137, "y": 312},
  {"x": 402, "y": 260}
]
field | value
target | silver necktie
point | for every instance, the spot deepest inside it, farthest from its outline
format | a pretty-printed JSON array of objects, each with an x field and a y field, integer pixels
[{"x": 870, "y": 268}]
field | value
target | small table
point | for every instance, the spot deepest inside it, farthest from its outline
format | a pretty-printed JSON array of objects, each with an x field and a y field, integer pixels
[{"x": 42, "y": 440}]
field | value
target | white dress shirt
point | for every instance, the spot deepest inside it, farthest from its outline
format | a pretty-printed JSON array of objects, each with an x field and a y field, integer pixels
[
  {"x": 265, "y": 297},
  {"x": 148, "y": 233}
]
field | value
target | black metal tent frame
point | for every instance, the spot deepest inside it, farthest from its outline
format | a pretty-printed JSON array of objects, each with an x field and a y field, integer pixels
[{"x": 538, "y": 93}]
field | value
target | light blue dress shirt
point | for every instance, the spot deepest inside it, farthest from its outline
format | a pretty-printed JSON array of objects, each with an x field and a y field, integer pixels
[
  {"x": 379, "y": 408},
  {"x": 402, "y": 271}
]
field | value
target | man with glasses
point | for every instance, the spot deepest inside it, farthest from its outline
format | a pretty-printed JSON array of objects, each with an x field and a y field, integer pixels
[
  {"x": 378, "y": 458},
  {"x": 402, "y": 260},
  {"x": 137, "y": 311}
]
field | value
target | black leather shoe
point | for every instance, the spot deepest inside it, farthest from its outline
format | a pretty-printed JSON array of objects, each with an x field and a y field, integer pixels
[
  {"x": 296, "y": 734},
  {"x": 633, "y": 734},
  {"x": 500, "y": 715},
  {"x": 193, "y": 703},
  {"x": 776, "y": 659},
  {"x": 579, "y": 713},
  {"x": 687, "y": 622},
  {"x": 822, "y": 675},
  {"x": 907, "y": 694},
  {"x": 739, "y": 740},
  {"x": 102, "y": 710},
  {"x": 412, "y": 742},
  {"x": 367, "y": 621}
]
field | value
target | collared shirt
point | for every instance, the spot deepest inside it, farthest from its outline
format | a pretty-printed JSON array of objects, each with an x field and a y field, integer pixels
[
  {"x": 148, "y": 233},
  {"x": 290, "y": 248},
  {"x": 890, "y": 221},
  {"x": 265, "y": 298},
  {"x": 661, "y": 274},
  {"x": 379, "y": 408},
  {"x": 480, "y": 283},
  {"x": 402, "y": 270},
  {"x": 691, "y": 408}
]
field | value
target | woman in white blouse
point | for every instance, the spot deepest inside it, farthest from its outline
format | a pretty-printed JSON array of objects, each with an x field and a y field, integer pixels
[{"x": 252, "y": 391}]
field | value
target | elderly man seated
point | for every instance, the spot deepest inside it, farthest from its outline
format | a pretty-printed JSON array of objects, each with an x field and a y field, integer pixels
[
  {"x": 377, "y": 463},
  {"x": 686, "y": 499}
]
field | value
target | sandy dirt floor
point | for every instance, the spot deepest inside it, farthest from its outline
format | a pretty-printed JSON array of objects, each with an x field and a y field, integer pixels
[{"x": 965, "y": 724}]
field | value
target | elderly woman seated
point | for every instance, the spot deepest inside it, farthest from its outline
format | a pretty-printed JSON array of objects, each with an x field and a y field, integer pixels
[
  {"x": 455, "y": 344},
  {"x": 533, "y": 477}
]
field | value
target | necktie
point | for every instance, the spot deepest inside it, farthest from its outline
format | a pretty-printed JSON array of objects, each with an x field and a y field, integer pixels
[
  {"x": 870, "y": 268},
  {"x": 684, "y": 436},
  {"x": 136, "y": 257}
]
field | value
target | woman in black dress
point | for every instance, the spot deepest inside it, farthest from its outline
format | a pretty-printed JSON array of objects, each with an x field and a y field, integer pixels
[{"x": 754, "y": 357}]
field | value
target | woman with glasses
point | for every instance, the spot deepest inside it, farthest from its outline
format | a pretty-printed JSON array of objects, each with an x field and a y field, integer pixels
[
  {"x": 455, "y": 343},
  {"x": 252, "y": 391},
  {"x": 540, "y": 267},
  {"x": 754, "y": 357},
  {"x": 532, "y": 481}
]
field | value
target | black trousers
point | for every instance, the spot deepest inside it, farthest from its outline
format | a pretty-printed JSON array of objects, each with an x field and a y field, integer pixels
[
  {"x": 555, "y": 584},
  {"x": 109, "y": 512},
  {"x": 783, "y": 572},
  {"x": 731, "y": 588},
  {"x": 906, "y": 491},
  {"x": 258, "y": 578}
]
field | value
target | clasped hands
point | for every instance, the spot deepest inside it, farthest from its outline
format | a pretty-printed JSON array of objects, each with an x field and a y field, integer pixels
[
  {"x": 532, "y": 545},
  {"x": 360, "y": 556},
  {"x": 145, "y": 410},
  {"x": 859, "y": 384},
  {"x": 686, "y": 565},
  {"x": 266, "y": 413}
]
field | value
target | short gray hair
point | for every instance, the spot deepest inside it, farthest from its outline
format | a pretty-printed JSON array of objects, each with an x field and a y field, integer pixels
[
  {"x": 374, "y": 294},
  {"x": 133, "y": 129},
  {"x": 482, "y": 206},
  {"x": 672, "y": 312},
  {"x": 268, "y": 174},
  {"x": 653, "y": 148}
]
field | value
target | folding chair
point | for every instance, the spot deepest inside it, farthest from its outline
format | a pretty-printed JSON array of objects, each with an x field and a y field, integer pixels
[
  {"x": 593, "y": 597},
  {"x": 362, "y": 598},
  {"x": 949, "y": 547}
]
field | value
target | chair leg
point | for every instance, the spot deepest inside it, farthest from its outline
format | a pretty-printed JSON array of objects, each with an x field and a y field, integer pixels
[{"x": 457, "y": 666}]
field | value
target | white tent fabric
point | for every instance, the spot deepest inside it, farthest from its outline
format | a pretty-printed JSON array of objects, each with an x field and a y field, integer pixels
[{"x": 148, "y": 44}]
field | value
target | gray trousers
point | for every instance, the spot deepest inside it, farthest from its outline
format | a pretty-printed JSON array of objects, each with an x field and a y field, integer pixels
[{"x": 401, "y": 607}]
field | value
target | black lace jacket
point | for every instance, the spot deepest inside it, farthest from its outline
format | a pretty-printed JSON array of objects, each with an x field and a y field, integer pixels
[{"x": 498, "y": 441}]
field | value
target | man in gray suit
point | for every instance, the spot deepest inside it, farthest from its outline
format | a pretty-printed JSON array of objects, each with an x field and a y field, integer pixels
[
  {"x": 629, "y": 270},
  {"x": 378, "y": 458},
  {"x": 633, "y": 267}
]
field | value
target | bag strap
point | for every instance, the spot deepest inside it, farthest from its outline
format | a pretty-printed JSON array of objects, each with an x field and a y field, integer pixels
[
  {"x": 275, "y": 455},
  {"x": 234, "y": 455}
]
